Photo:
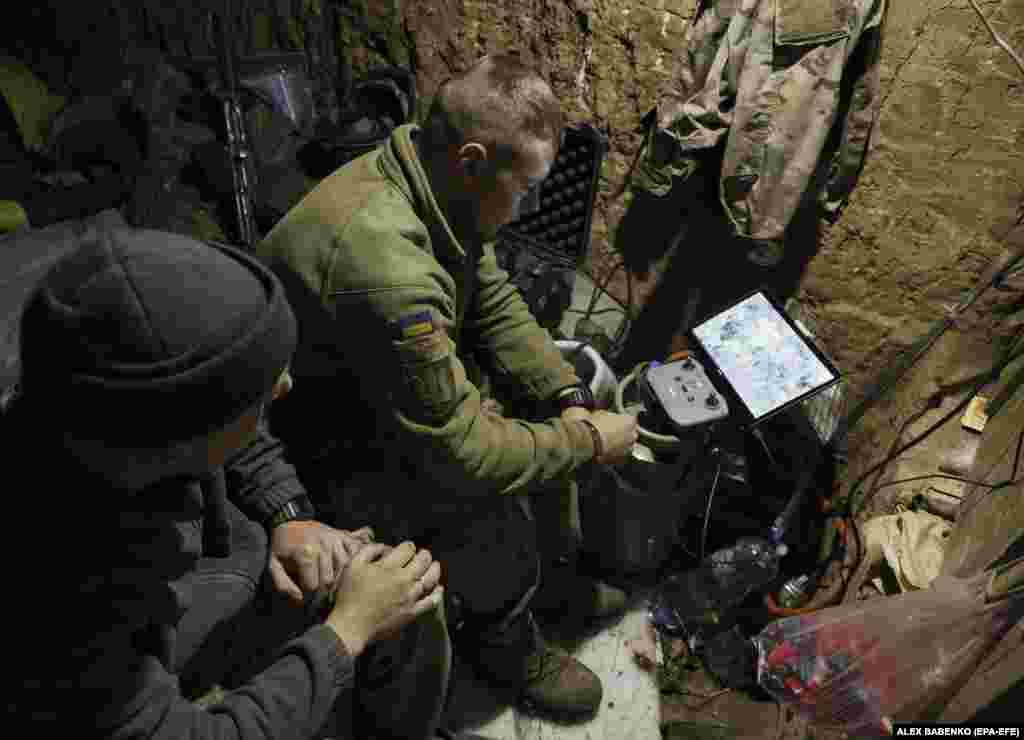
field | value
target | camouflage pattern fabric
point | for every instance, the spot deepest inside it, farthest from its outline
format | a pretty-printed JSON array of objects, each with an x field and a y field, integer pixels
[{"x": 773, "y": 78}]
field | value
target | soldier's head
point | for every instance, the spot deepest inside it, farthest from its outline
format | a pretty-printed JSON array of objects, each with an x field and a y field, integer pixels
[
  {"x": 152, "y": 355},
  {"x": 488, "y": 141}
]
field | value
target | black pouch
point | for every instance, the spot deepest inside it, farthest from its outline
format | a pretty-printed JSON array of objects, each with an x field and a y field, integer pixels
[{"x": 545, "y": 281}]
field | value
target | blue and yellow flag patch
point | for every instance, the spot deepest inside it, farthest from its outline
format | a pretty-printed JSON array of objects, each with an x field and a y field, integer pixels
[{"x": 414, "y": 325}]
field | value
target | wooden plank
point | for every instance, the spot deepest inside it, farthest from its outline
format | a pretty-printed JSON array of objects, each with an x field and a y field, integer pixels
[{"x": 989, "y": 521}]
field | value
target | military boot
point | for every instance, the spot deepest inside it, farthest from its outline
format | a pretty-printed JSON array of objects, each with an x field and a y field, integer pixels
[
  {"x": 548, "y": 680},
  {"x": 566, "y": 598}
]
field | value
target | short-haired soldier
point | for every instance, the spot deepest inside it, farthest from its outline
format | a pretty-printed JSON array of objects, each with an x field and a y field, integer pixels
[{"x": 403, "y": 314}]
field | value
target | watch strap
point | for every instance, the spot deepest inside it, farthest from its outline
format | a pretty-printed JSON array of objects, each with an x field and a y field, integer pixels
[
  {"x": 578, "y": 395},
  {"x": 298, "y": 509}
]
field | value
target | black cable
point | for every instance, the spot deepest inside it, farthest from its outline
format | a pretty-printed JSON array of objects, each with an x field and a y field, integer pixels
[
  {"x": 896, "y": 453},
  {"x": 1011, "y": 481},
  {"x": 759, "y": 436},
  {"x": 685, "y": 549},
  {"x": 944, "y": 476},
  {"x": 591, "y": 310},
  {"x": 875, "y": 485},
  {"x": 924, "y": 344},
  {"x": 1016, "y": 455},
  {"x": 996, "y": 371},
  {"x": 707, "y": 512},
  {"x": 598, "y": 312},
  {"x": 601, "y": 287},
  {"x": 627, "y": 322}
]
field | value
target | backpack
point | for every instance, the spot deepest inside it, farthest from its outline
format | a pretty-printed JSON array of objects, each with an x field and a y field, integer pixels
[{"x": 385, "y": 99}]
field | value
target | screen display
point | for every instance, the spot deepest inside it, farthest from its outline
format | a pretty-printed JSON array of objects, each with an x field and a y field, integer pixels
[{"x": 767, "y": 363}]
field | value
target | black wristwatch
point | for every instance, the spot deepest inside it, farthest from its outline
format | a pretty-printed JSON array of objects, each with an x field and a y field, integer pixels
[
  {"x": 578, "y": 395},
  {"x": 299, "y": 509}
]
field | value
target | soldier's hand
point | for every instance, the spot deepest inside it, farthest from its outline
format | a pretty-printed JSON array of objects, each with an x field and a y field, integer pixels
[
  {"x": 619, "y": 432},
  {"x": 306, "y": 557},
  {"x": 381, "y": 591}
]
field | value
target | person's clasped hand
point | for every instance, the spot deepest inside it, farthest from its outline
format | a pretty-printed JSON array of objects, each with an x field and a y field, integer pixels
[
  {"x": 381, "y": 591},
  {"x": 307, "y": 556}
]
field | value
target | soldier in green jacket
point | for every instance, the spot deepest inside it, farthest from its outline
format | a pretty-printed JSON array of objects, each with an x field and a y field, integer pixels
[{"x": 404, "y": 318}]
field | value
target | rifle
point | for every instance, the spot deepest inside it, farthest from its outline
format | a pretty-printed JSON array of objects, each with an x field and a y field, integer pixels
[{"x": 237, "y": 139}]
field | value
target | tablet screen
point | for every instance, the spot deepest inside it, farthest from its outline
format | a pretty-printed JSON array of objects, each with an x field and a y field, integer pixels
[{"x": 766, "y": 361}]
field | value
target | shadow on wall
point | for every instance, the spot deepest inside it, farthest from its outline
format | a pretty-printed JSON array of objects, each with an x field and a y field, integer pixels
[{"x": 708, "y": 257}]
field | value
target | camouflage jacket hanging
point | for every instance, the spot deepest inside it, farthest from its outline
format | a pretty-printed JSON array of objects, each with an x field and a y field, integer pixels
[{"x": 793, "y": 88}]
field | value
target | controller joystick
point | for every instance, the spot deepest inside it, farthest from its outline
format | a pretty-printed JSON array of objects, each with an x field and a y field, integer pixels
[{"x": 686, "y": 393}]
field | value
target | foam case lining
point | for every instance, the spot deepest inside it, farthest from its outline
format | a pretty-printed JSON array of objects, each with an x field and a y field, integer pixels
[{"x": 541, "y": 250}]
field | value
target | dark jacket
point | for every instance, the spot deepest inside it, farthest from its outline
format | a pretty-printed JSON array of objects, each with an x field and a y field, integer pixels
[{"x": 104, "y": 578}]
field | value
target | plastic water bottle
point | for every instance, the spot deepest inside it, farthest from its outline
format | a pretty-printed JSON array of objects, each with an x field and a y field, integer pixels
[
  {"x": 721, "y": 581},
  {"x": 794, "y": 591}
]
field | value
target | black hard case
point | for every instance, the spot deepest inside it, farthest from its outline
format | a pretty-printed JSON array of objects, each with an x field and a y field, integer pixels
[{"x": 542, "y": 250}]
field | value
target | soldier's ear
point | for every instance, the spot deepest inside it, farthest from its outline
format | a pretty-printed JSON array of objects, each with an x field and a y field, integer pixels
[{"x": 473, "y": 159}]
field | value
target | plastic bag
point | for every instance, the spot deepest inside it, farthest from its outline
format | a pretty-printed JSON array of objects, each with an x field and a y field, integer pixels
[{"x": 865, "y": 665}]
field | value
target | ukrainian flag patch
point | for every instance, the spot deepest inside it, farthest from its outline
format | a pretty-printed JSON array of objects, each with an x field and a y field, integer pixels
[{"x": 414, "y": 325}]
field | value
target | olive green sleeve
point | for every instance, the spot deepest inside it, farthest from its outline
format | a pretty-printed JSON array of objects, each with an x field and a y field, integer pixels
[
  {"x": 406, "y": 299},
  {"x": 515, "y": 343}
]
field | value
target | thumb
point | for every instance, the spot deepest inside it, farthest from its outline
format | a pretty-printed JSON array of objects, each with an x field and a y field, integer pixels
[
  {"x": 283, "y": 582},
  {"x": 363, "y": 533}
]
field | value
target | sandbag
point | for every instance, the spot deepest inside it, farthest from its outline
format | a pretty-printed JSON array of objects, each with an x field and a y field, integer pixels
[{"x": 912, "y": 544}]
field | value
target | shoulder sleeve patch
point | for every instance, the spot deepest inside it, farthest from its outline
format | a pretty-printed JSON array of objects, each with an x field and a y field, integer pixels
[
  {"x": 419, "y": 337},
  {"x": 427, "y": 369},
  {"x": 413, "y": 325}
]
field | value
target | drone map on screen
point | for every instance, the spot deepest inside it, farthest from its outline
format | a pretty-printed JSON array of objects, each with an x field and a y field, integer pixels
[{"x": 761, "y": 356}]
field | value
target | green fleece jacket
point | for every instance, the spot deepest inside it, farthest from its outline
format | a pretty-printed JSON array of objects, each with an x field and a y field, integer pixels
[{"x": 393, "y": 308}]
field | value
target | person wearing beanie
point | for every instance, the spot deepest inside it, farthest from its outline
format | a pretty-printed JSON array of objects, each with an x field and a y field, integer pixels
[{"x": 166, "y": 547}]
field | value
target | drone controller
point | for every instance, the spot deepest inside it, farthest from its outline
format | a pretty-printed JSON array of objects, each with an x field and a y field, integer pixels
[{"x": 685, "y": 393}]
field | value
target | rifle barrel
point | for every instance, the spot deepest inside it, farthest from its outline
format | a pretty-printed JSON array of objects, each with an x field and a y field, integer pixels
[{"x": 234, "y": 123}]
